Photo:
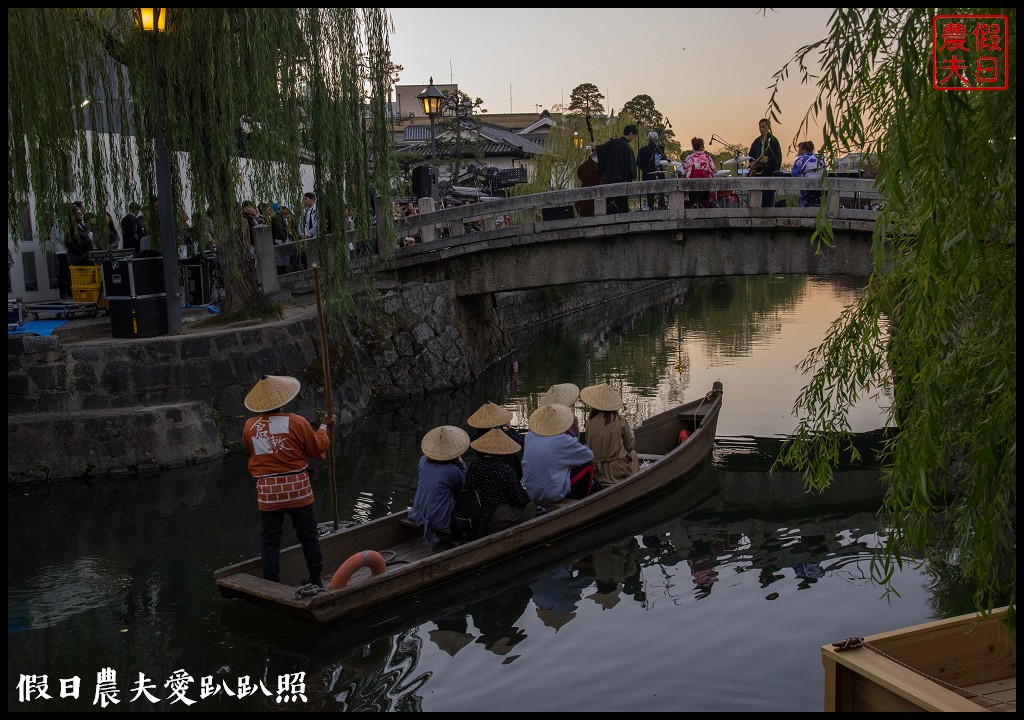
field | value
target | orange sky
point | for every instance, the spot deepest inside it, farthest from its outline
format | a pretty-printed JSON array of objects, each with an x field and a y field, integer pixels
[{"x": 707, "y": 70}]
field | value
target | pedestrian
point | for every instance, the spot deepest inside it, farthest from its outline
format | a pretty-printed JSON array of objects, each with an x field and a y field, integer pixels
[
  {"x": 133, "y": 228},
  {"x": 60, "y": 251},
  {"x": 79, "y": 241},
  {"x": 309, "y": 222},
  {"x": 280, "y": 445},
  {"x": 618, "y": 165},
  {"x": 649, "y": 161}
]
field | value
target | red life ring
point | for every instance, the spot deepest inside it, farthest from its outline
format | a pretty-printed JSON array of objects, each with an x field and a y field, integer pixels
[
  {"x": 366, "y": 558},
  {"x": 684, "y": 435}
]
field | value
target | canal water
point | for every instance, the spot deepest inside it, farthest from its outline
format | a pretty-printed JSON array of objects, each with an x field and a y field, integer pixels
[{"x": 717, "y": 597}]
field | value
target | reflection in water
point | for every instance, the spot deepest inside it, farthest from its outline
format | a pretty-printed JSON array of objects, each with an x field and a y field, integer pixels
[
  {"x": 698, "y": 556},
  {"x": 377, "y": 677}
]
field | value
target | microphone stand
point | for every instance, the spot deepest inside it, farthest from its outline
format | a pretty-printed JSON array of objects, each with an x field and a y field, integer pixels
[{"x": 737, "y": 150}]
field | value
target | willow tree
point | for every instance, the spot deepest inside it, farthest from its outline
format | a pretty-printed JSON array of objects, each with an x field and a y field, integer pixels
[
  {"x": 936, "y": 326},
  {"x": 249, "y": 97}
]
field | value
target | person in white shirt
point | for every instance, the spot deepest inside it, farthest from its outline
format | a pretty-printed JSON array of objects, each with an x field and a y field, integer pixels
[{"x": 309, "y": 223}]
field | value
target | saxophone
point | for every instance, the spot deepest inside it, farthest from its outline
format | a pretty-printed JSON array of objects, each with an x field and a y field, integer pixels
[{"x": 760, "y": 166}]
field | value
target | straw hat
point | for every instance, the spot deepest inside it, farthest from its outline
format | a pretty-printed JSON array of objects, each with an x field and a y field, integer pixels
[
  {"x": 554, "y": 618},
  {"x": 451, "y": 641},
  {"x": 551, "y": 420},
  {"x": 601, "y": 397},
  {"x": 489, "y": 416},
  {"x": 495, "y": 442},
  {"x": 272, "y": 392},
  {"x": 563, "y": 394},
  {"x": 445, "y": 442}
]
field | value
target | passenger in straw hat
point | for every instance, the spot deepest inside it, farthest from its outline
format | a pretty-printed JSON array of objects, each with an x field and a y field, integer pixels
[
  {"x": 441, "y": 474},
  {"x": 505, "y": 502},
  {"x": 563, "y": 394},
  {"x": 489, "y": 416},
  {"x": 551, "y": 453},
  {"x": 280, "y": 444},
  {"x": 609, "y": 435}
]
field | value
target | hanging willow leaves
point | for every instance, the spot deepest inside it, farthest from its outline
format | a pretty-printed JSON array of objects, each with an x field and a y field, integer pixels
[
  {"x": 937, "y": 324},
  {"x": 250, "y": 97}
]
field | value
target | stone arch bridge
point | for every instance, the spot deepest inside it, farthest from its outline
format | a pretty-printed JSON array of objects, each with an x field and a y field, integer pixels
[{"x": 543, "y": 239}]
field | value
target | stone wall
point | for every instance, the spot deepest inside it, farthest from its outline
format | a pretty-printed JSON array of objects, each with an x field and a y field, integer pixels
[{"x": 122, "y": 408}]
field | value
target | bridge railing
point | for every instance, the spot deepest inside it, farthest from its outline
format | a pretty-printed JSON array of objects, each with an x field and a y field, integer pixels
[{"x": 846, "y": 198}]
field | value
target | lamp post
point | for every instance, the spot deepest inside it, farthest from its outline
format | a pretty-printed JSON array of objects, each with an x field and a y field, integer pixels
[
  {"x": 154, "y": 20},
  {"x": 432, "y": 98}
]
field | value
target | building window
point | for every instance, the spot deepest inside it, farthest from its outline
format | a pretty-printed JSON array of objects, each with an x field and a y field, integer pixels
[{"x": 28, "y": 268}]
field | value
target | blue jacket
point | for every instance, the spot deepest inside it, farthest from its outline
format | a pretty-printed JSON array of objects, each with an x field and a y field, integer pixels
[
  {"x": 547, "y": 462},
  {"x": 435, "y": 494}
]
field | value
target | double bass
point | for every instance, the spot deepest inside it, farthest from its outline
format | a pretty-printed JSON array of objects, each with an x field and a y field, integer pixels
[{"x": 589, "y": 175}]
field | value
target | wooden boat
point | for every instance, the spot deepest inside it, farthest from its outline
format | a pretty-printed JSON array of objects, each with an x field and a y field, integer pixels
[
  {"x": 415, "y": 565},
  {"x": 963, "y": 664}
]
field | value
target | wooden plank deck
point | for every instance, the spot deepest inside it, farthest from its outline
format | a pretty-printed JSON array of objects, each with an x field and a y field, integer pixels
[{"x": 996, "y": 696}]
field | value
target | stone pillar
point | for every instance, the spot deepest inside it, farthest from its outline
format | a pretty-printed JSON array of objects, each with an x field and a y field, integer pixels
[{"x": 266, "y": 264}]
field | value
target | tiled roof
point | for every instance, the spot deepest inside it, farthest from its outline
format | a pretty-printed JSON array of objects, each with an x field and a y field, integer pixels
[
  {"x": 507, "y": 137},
  {"x": 416, "y": 132},
  {"x": 494, "y": 141}
]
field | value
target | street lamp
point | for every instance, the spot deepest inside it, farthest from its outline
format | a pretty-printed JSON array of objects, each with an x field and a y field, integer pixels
[
  {"x": 432, "y": 98},
  {"x": 154, "y": 20}
]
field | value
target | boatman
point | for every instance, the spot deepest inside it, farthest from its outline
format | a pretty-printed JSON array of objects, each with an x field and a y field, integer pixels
[{"x": 279, "y": 445}]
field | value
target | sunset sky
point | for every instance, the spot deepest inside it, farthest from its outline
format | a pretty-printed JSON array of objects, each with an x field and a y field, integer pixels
[{"x": 707, "y": 70}]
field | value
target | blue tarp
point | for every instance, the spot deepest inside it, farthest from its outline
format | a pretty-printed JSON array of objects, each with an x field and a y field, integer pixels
[{"x": 36, "y": 327}]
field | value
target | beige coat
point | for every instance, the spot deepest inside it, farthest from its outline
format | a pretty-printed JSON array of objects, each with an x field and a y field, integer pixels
[{"x": 614, "y": 448}]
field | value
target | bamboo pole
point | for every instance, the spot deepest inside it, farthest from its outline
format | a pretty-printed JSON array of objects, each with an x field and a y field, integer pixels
[{"x": 326, "y": 363}]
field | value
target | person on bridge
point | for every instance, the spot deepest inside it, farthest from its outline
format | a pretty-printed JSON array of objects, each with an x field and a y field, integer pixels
[
  {"x": 806, "y": 166},
  {"x": 766, "y": 158},
  {"x": 699, "y": 164},
  {"x": 609, "y": 435},
  {"x": 649, "y": 161},
  {"x": 618, "y": 165},
  {"x": 279, "y": 445}
]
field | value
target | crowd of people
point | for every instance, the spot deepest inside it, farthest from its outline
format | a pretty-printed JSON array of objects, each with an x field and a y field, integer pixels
[
  {"x": 616, "y": 163},
  {"x": 518, "y": 475}
]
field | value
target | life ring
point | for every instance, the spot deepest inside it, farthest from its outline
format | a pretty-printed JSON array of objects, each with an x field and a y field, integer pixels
[
  {"x": 366, "y": 558},
  {"x": 684, "y": 435}
]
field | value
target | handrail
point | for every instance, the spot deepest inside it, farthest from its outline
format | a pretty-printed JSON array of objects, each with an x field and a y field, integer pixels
[{"x": 527, "y": 209}]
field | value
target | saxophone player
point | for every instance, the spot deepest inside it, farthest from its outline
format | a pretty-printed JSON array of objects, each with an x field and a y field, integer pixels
[{"x": 766, "y": 158}]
